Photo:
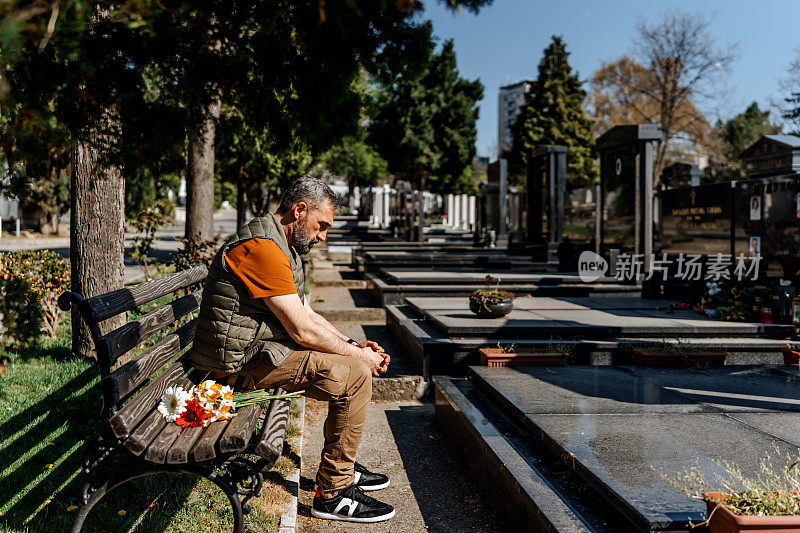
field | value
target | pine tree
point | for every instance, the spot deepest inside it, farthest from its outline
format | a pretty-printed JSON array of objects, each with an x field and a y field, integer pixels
[
  {"x": 553, "y": 114},
  {"x": 424, "y": 125}
]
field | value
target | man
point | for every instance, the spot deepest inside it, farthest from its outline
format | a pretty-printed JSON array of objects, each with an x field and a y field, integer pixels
[{"x": 256, "y": 329}]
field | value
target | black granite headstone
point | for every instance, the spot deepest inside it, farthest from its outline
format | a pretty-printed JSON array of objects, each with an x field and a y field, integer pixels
[
  {"x": 696, "y": 220},
  {"x": 767, "y": 219},
  {"x": 626, "y": 183},
  {"x": 547, "y": 171},
  {"x": 772, "y": 155}
]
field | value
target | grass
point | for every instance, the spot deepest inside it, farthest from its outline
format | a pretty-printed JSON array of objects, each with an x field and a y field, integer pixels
[{"x": 49, "y": 404}]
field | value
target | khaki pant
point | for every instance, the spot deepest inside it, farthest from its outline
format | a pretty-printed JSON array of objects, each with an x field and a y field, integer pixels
[{"x": 344, "y": 382}]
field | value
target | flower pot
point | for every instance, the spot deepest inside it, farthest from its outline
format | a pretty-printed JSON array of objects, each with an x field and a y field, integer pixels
[
  {"x": 485, "y": 308},
  {"x": 791, "y": 357},
  {"x": 726, "y": 521},
  {"x": 707, "y": 358},
  {"x": 531, "y": 357}
]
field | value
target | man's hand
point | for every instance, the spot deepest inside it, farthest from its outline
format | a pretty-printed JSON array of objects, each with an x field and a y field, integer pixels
[
  {"x": 384, "y": 366},
  {"x": 375, "y": 360},
  {"x": 371, "y": 344}
]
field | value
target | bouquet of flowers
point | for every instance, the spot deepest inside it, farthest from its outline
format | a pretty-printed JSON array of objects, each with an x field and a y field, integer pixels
[{"x": 208, "y": 402}]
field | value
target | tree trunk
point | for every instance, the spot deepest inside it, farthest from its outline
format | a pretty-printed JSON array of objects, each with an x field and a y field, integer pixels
[
  {"x": 96, "y": 236},
  {"x": 241, "y": 197},
  {"x": 200, "y": 178}
]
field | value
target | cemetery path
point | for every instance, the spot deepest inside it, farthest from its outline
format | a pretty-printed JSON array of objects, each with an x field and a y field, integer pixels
[
  {"x": 163, "y": 246},
  {"x": 429, "y": 489},
  {"x": 340, "y": 297}
]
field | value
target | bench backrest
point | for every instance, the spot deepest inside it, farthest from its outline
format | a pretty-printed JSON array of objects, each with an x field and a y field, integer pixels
[{"x": 119, "y": 384}]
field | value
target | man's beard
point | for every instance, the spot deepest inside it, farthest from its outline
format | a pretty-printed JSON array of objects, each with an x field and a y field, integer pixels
[{"x": 302, "y": 241}]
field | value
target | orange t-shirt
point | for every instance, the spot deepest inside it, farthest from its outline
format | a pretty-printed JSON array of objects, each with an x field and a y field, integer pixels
[{"x": 262, "y": 267}]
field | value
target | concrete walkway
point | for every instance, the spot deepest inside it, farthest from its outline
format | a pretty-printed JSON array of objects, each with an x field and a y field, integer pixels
[{"x": 429, "y": 489}]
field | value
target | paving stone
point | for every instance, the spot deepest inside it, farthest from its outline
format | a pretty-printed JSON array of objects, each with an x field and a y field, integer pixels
[
  {"x": 619, "y": 427},
  {"x": 544, "y": 303},
  {"x": 430, "y": 490},
  {"x": 583, "y": 390},
  {"x": 453, "y": 276},
  {"x": 570, "y": 317},
  {"x": 730, "y": 389},
  {"x": 785, "y": 426}
]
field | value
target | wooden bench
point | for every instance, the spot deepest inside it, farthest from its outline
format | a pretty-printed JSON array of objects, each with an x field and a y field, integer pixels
[{"x": 137, "y": 441}]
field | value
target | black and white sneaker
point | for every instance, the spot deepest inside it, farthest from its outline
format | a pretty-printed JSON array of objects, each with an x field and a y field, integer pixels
[
  {"x": 352, "y": 505},
  {"x": 367, "y": 480}
]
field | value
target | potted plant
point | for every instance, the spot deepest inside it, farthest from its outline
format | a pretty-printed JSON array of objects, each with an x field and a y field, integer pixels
[
  {"x": 491, "y": 302},
  {"x": 512, "y": 355},
  {"x": 791, "y": 355},
  {"x": 675, "y": 354},
  {"x": 770, "y": 501}
]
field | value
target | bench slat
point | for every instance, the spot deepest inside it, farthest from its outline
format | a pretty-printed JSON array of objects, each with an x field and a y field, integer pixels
[
  {"x": 145, "y": 432},
  {"x": 206, "y": 446},
  {"x": 157, "y": 450},
  {"x": 158, "y": 439},
  {"x": 113, "y": 303},
  {"x": 126, "y": 378},
  {"x": 179, "y": 451},
  {"x": 128, "y": 336},
  {"x": 270, "y": 441},
  {"x": 123, "y": 422},
  {"x": 237, "y": 435}
]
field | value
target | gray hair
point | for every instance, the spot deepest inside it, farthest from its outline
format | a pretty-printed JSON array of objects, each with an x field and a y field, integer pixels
[{"x": 313, "y": 191}]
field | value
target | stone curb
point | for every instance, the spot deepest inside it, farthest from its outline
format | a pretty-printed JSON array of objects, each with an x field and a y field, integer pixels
[
  {"x": 364, "y": 314},
  {"x": 515, "y": 487},
  {"x": 288, "y": 523},
  {"x": 399, "y": 389}
]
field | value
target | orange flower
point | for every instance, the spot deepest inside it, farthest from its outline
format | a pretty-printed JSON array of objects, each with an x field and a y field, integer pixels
[{"x": 194, "y": 416}]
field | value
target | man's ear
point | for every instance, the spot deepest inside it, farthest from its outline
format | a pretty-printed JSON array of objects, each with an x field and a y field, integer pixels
[{"x": 300, "y": 210}]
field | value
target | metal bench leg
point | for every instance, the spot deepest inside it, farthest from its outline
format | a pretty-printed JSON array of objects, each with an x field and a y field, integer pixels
[{"x": 123, "y": 477}]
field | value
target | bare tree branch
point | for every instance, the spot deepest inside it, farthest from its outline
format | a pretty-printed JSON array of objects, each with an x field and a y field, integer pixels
[{"x": 676, "y": 65}]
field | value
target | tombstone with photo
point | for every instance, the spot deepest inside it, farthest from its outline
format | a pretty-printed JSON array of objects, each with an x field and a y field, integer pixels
[{"x": 766, "y": 220}]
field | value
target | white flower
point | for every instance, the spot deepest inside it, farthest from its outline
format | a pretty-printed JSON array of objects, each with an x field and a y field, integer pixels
[{"x": 173, "y": 403}]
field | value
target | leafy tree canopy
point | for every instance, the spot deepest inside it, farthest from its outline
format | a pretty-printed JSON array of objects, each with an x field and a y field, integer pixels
[
  {"x": 736, "y": 135},
  {"x": 553, "y": 114},
  {"x": 423, "y": 122}
]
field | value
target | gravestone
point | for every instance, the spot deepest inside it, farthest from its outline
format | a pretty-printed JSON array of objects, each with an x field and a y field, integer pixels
[
  {"x": 681, "y": 173},
  {"x": 472, "y": 211},
  {"x": 547, "y": 179},
  {"x": 766, "y": 219},
  {"x": 450, "y": 210},
  {"x": 493, "y": 203},
  {"x": 696, "y": 220},
  {"x": 625, "y": 201},
  {"x": 386, "y": 219},
  {"x": 516, "y": 216},
  {"x": 772, "y": 155}
]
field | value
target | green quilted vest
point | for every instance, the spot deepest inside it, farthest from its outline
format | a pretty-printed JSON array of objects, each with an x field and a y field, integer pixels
[{"x": 233, "y": 328}]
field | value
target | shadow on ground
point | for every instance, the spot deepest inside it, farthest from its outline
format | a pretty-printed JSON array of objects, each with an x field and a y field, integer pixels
[
  {"x": 448, "y": 501},
  {"x": 44, "y": 451}
]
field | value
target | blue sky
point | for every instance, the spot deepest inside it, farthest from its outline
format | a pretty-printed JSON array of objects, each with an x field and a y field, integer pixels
[{"x": 504, "y": 42}]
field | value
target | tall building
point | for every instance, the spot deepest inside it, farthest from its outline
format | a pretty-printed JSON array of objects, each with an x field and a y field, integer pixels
[{"x": 510, "y": 100}]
